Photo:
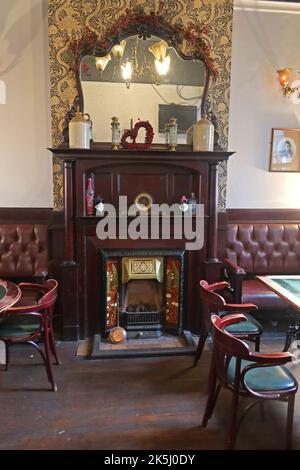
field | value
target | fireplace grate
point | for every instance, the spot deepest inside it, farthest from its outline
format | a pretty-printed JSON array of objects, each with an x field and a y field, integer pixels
[
  {"x": 142, "y": 318},
  {"x": 142, "y": 324}
]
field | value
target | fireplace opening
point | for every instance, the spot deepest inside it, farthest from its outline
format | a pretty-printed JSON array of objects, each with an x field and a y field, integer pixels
[
  {"x": 143, "y": 292},
  {"x": 141, "y": 308}
]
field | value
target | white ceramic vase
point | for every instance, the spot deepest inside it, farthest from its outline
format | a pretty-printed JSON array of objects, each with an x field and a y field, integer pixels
[{"x": 203, "y": 135}]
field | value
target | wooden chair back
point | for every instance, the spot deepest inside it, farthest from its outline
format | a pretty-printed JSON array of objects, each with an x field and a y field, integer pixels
[{"x": 226, "y": 346}]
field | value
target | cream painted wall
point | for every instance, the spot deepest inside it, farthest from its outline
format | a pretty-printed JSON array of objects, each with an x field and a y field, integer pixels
[
  {"x": 26, "y": 168},
  {"x": 264, "y": 40}
]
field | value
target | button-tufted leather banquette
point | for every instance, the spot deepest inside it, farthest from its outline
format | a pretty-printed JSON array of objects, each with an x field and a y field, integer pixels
[
  {"x": 264, "y": 248},
  {"x": 23, "y": 250},
  {"x": 261, "y": 248}
]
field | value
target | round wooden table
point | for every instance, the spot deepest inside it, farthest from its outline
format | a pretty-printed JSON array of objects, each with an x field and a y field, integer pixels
[{"x": 9, "y": 294}]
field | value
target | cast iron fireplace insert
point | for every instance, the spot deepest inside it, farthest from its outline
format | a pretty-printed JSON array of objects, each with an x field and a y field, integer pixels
[{"x": 144, "y": 291}]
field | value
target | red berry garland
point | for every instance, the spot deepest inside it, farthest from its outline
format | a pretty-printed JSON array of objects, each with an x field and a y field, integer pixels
[
  {"x": 132, "y": 134},
  {"x": 194, "y": 34}
]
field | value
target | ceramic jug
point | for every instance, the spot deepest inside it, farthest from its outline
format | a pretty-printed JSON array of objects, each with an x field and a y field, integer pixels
[
  {"x": 203, "y": 135},
  {"x": 79, "y": 132}
]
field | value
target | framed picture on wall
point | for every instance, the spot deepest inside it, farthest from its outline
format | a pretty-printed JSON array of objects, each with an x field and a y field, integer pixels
[{"x": 285, "y": 150}]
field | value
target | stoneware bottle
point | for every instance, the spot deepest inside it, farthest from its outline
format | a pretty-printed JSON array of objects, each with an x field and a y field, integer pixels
[
  {"x": 79, "y": 132},
  {"x": 203, "y": 135}
]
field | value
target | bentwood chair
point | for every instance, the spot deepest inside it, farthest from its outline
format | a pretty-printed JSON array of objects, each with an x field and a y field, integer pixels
[
  {"x": 214, "y": 303},
  {"x": 248, "y": 374},
  {"x": 30, "y": 320}
]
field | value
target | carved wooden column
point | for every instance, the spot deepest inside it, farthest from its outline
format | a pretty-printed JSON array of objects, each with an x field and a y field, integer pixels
[
  {"x": 69, "y": 210},
  {"x": 213, "y": 220},
  {"x": 212, "y": 264},
  {"x": 69, "y": 266}
]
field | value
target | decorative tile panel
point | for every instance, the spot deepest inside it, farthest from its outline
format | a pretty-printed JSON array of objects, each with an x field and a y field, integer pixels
[
  {"x": 112, "y": 285},
  {"x": 172, "y": 291}
]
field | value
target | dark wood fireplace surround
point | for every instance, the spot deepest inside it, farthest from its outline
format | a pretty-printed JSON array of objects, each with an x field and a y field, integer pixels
[{"x": 166, "y": 176}]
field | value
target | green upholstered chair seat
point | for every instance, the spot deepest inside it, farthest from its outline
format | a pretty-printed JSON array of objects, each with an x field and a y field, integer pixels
[
  {"x": 271, "y": 379},
  {"x": 12, "y": 326},
  {"x": 244, "y": 327}
]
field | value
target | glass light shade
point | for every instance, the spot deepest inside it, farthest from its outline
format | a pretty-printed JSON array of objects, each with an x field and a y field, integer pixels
[
  {"x": 173, "y": 135},
  {"x": 284, "y": 76},
  {"x": 162, "y": 68},
  {"x": 159, "y": 50},
  {"x": 295, "y": 94},
  {"x": 2, "y": 92},
  {"x": 127, "y": 70},
  {"x": 167, "y": 134},
  {"x": 101, "y": 62},
  {"x": 118, "y": 49}
]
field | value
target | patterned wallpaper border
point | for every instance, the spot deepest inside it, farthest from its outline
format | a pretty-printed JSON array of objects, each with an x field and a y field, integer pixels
[{"x": 69, "y": 17}]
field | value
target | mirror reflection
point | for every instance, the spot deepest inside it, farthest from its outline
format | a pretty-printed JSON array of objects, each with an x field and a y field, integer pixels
[{"x": 141, "y": 79}]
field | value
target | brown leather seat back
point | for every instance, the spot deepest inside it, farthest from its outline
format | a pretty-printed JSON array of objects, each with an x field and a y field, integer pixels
[
  {"x": 23, "y": 250},
  {"x": 264, "y": 248}
]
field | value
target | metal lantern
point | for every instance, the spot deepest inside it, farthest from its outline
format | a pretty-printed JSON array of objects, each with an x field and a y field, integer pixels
[{"x": 172, "y": 133}]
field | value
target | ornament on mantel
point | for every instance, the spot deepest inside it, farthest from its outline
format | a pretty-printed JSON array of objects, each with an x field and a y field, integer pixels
[
  {"x": 115, "y": 133},
  {"x": 79, "y": 132},
  {"x": 203, "y": 135},
  {"x": 133, "y": 133}
]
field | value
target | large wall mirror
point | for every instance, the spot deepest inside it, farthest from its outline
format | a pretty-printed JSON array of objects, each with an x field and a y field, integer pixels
[
  {"x": 144, "y": 69},
  {"x": 142, "y": 79}
]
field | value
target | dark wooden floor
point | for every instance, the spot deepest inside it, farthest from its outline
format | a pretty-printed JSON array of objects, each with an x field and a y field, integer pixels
[{"x": 148, "y": 404}]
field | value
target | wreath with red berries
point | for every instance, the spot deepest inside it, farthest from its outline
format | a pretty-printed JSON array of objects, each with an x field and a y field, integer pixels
[{"x": 133, "y": 133}]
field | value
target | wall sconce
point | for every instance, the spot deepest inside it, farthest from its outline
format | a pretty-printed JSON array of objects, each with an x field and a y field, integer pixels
[
  {"x": 284, "y": 78},
  {"x": 101, "y": 62},
  {"x": 292, "y": 90}
]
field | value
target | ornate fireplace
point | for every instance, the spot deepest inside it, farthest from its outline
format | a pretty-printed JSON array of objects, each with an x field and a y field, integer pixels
[
  {"x": 149, "y": 283},
  {"x": 166, "y": 176}
]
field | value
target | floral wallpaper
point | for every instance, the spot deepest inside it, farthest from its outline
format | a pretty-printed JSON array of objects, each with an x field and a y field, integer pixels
[{"x": 70, "y": 17}]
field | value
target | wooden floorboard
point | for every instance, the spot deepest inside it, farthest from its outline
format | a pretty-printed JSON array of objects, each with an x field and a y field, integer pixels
[{"x": 114, "y": 404}]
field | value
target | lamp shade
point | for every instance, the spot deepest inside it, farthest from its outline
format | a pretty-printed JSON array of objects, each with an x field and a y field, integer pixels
[
  {"x": 162, "y": 67},
  {"x": 127, "y": 71},
  {"x": 284, "y": 76},
  {"x": 295, "y": 94},
  {"x": 159, "y": 50},
  {"x": 2, "y": 92},
  {"x": 118, "y": 49},
  {"x": 101, "y": 62}
]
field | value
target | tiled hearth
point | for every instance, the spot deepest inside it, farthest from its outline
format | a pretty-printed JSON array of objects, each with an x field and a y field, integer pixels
[{"x": 166, "y": 345}]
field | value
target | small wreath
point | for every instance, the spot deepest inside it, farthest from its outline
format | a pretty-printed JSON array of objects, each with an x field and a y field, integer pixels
[{"x": 133, "y": 133}]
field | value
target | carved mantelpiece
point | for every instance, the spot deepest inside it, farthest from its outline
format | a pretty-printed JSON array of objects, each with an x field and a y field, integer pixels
[{"x": 165, "y": 175}]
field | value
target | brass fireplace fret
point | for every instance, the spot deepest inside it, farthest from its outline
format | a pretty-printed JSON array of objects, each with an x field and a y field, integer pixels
[{"x": 142, "y": 268}]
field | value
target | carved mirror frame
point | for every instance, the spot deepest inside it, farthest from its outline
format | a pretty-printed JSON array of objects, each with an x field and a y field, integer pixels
[{"x": 144, "y": 26}]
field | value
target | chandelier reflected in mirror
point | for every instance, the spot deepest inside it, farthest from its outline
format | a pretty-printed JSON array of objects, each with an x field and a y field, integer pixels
[{"x": 138, "y": 65}]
